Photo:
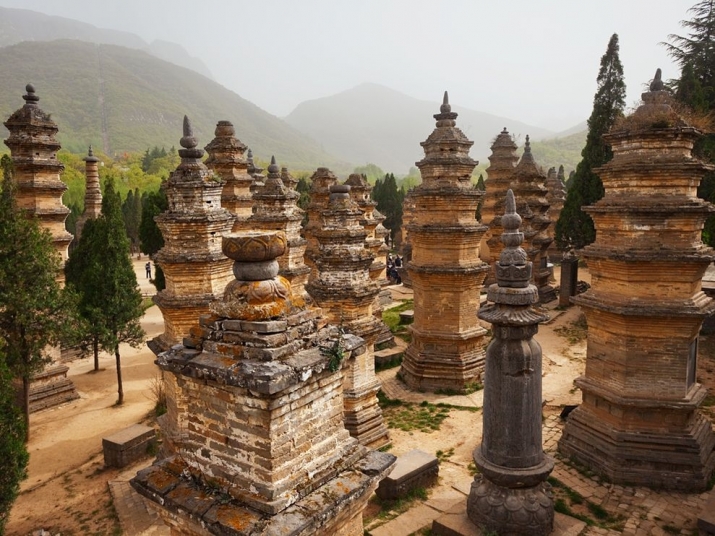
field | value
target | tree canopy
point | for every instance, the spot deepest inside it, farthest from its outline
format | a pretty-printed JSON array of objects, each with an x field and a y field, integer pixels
[{"x": 575, "y": 228}]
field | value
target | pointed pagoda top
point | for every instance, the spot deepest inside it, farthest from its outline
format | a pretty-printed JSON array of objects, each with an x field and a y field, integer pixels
[
  {"x": 527, "y": 157},
  {"x": 273, "y": 169},
  {"x": 657, "y": 83},
  {"x": 189, "y": 142},
  {"x": 504, "y": 139},
  {"x": 90, "y": 156},
  {"x": 446, "y": 117},
  {"x": 513, "y": 255},
  {"x": 31, "y": 99}
]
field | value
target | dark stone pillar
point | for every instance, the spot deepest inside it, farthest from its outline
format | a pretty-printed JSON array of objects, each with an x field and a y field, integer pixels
[
  {"x": 510, "y": 495},
  {"x": 569, "y": 279}
]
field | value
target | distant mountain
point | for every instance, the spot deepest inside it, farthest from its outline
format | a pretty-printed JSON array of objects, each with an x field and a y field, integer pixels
[
  {"x": 17, "y": 25},
  {"x": 374, "y": 124},
  {"x": 561, "y": 150},
  {"x": 123, "y": 99},
  {"x": 581, "y": 127}
]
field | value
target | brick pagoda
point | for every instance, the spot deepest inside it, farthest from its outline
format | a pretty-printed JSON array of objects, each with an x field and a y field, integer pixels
[
  {"x": 225, "y": 159},
  {"x": 259, "y": 410},
  {"x": 196, "y": 271},
  {"x": 502, "y": 163},
  {"x": 639, "y": 422},
  {"x": 93, "y": 192},
  {"x": 343, "y": 288},
  {"x": 447, "y": 347},
  {"x": 530, "y": 191},
  {"x": 320, "y": 183},
  {"x": 556, "y": 196}
]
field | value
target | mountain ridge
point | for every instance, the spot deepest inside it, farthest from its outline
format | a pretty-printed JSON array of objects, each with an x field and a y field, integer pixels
[{"x": 141, "y": 100}]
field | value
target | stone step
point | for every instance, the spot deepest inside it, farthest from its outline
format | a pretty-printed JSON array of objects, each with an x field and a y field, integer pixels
[
  {"x": 407, "y": 316},
  {"x": 383, "y": 357}
]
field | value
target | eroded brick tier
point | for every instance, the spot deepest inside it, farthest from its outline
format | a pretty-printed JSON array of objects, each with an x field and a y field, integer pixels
[
  {"x": 639, "y": 421},
  {"x": 556, "y": 196},
  {"x": 255, "y": 415},
  {"x": 343, "y": 288},
  {"x": 195, "y": 269},
  {"x": 448, "y": 344},
  {"x": 93, "y": 193}
]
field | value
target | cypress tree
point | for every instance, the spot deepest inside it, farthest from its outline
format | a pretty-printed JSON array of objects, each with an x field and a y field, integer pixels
[
  {"x": 150, "y": 238},
  {"x": 13, "y": 454},
  {"x": 36, "y": 314},
  {"x": 107, "y": 284},
  {"x": 575, "y": 228}
]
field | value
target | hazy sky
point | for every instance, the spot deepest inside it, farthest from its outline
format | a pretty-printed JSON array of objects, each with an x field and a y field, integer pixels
[{"x": 531, "y": 60}]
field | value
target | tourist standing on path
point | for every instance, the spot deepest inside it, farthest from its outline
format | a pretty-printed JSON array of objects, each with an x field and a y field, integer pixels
[{"x": 148, "y": 270}]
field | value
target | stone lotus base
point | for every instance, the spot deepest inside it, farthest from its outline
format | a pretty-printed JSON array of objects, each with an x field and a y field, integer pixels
[
  {"x": 190, "y": 507},
  {"x": 507, "y": 511}
]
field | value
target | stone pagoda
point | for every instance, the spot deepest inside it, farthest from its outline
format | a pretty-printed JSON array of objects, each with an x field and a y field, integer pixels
[
  {"x": 257, "y": 406},
  {"x": 93, "y": 193},
  {"x": 343, "y": 288},
  {"x": 372, "y": 220},
  {"x": 639, "y": 422},
  {"x": 33, "y": 148},
  {"x": 447, "y": 348},
  {"x": 510, "y": 494},
  {"x": 320, "y": 183},
  {"x": 255, "y": 172},
  {"x": 275, "y": 208},
  {"x": 556, "y": 196},
  {"x": 500, "y": 172},
  {"x": 226, "y": 160},
  {"x": 530, "y": 189},
  {"x": 196, "y": 271}
]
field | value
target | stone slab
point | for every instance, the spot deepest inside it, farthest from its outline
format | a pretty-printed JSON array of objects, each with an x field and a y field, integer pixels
[
  {"x": 407, "y": 316},
  {"x": 413, "y": 470},
  {"x": 408, "y": 523},
  {"x": 126, "y": 446},
  {"x": 706, "y": 519}
]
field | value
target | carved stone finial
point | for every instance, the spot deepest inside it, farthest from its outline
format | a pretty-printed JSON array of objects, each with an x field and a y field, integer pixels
[
  {"x": 657, "y": 83},
  {"x": 249, "y": 155},
  {"x": 188, "y": 141},
  {"x": 527, "y": 145},
  {"x": 30, "y": 98},
  {"x": 513, "y": 268},
  {"x": 445, "y": 108},
  {"x": 90, "y": 152},
  {"x": 273, "y": 167},
  {"x": 90, "y": 156}
]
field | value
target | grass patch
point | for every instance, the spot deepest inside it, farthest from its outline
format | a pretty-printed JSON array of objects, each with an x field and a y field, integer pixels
[
  {"x": 444, "y": 455},
  {"x": 408, "y": 417},
  {"x": 390, "y": 509},
  {"x": 146, "y": 303},
  {"x": 473, "y": 469},
  {"x": 575, "y": 332},
  {"x": 392, "y": 363},
  {"x": 709, "y": 401},
  {"x": 391, "y": 317},
  {"x": 670, "y": 529}
]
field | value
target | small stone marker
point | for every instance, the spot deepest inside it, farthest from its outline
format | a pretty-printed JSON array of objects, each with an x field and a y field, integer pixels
[
  {"x": 128, "y": 445},
  {"x": 407, "y": 316},
  {"x": 413, "y": 470}
]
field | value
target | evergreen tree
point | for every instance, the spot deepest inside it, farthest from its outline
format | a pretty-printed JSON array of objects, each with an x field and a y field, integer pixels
[
  {"x": 150, "y": 238},
  {"x": 575, "y": 228},
  {"x": 389, "y": 202},
  {"x": 36, "y": 314},
  {"x": 13, "y": 454},
  {"x": 132, "y": 214},
  {"x": 696, "y": 52},
  {"x": 480, "y": 186},
  {"x": 696, "y": 88},
  {"x": 107, "y": 283}
]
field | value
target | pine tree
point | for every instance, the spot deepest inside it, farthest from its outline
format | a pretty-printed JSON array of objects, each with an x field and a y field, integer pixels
[
  {"x": 13, "y": 454},
  {"x": 36, "y": 314},
  {"x": 575, "y": 228},
  {"x": 389, "y": 202},
  {"x": 696, "y": 88},
  {"x": 107, "y": 283}
]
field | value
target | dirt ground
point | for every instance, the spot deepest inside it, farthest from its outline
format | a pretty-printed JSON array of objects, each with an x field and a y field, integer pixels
[{"x": 66, "y": 491}]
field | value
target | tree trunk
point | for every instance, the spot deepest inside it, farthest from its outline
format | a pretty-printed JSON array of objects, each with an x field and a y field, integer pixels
[
  {"x": 26, "y": 405},
  {"x": 120, "y": 389},
  {"x": 95, "y": 344}
]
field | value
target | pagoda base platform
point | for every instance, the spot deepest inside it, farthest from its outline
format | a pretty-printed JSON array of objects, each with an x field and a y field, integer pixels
[
  {"x": 657, "y": 444},
  {"x": 363, "y": 418},
  {"x": 192, "y": 508}
]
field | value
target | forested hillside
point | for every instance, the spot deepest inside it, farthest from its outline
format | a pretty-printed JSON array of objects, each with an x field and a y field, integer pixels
[{"x": 124, "y": 100}]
